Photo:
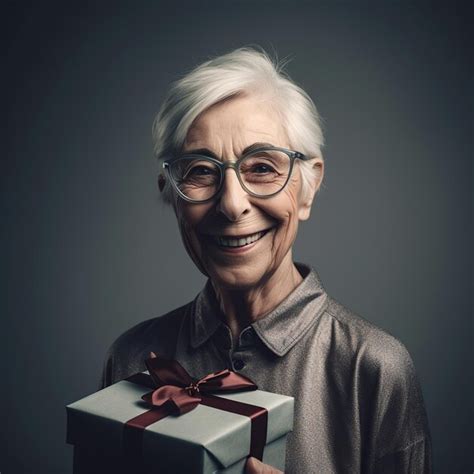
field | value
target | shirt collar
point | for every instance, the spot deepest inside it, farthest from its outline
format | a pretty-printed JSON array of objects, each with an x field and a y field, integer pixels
[{"x": 280, "y": 329}]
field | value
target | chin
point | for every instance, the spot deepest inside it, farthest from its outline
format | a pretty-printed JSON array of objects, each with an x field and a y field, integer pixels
[{"x": 236, "y": 278}]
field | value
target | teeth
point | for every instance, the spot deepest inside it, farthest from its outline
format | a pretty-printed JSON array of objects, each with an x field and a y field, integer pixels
[{"x": 234, "y": 242}]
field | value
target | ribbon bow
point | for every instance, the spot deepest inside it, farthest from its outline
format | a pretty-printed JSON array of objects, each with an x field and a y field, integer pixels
[{"x": 179, "y": 393}]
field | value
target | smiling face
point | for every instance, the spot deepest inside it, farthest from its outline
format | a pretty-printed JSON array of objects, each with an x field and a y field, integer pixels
[{"x": 239, "y": 240}]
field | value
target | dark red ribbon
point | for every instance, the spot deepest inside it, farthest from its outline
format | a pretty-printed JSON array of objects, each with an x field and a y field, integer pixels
[{"x": 176, "y": 392}]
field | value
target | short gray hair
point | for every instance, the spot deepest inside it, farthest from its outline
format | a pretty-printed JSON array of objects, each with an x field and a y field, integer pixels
[{"x": 242, "y": 71}]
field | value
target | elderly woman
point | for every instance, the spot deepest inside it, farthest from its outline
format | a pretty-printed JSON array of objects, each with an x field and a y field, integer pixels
[{"x": 240, "y": 145}]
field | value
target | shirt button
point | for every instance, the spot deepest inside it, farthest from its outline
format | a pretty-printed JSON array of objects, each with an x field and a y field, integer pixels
[{"x": 239, "y": 364}]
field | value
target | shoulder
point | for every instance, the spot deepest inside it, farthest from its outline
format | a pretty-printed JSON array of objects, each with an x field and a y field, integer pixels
[
  {"x": 160, "y": 328},
  {"x": 127, "y": 353},
  {"x": 384, "y": 377},
  {"x": 375, "y": 348}
]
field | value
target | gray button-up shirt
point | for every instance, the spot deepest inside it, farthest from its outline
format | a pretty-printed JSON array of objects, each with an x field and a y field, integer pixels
[{"x": 358, "y": 403}]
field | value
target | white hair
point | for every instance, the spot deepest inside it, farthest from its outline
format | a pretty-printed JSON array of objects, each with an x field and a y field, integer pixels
[{"x": 244, "y": 71}]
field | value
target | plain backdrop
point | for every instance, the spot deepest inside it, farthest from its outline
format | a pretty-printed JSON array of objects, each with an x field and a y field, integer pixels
[{"x": 88, "y": 250}]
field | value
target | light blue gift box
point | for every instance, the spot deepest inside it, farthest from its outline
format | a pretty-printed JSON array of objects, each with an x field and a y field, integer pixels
[{"x": 204, "y": 440}]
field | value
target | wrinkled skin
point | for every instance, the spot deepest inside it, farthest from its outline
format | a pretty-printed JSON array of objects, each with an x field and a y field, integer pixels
[{"x": 250, "y": 283}]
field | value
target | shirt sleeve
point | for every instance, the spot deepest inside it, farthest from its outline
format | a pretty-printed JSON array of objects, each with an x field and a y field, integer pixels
[
  {"x": 115, "y": 364},
  {"x": 402, "y": 441},
  {"x": 107, "y": 371},
  {"x": 126, "y": 355},
  {"x": 128, "y": 352},
  {"x": 415, "y": 458}
]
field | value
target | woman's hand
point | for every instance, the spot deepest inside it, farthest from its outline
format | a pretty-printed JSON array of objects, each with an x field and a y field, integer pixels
[{"x": 254, "y": 466}]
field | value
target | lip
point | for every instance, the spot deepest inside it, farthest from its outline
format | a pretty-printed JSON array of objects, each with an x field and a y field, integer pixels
[{"x": 236, "y": 250}]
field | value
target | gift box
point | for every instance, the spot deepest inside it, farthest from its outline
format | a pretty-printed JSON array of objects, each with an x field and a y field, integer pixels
[{"x": 210, "y": 425}]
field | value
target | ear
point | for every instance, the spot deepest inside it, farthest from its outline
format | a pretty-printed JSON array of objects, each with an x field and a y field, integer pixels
[
  {"x": 304, "y": 210},
  {"x": 161, "y": 182}
]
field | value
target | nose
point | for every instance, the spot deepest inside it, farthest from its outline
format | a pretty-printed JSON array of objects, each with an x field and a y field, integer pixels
[{"x": 233, "y": 200}]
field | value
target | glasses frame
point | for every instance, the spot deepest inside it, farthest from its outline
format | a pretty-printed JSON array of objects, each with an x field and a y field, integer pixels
[{"x": 223, "y": 166}]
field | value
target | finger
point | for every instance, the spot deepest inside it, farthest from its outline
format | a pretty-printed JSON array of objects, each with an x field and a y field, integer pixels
[
  {"x": 254, "y": 466},
  {"x": 251, "y": 466}
]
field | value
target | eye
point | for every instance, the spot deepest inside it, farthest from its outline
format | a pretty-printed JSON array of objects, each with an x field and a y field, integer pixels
[
  {"x": 261, "y": 168},
  {"x": 200, "y": 171}
]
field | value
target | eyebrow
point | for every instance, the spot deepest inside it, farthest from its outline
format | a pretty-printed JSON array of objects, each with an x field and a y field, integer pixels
[{"x": 207, "y": 152}]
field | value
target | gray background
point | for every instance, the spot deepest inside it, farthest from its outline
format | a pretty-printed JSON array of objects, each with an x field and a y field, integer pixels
[{"x": 88, "y": 250}]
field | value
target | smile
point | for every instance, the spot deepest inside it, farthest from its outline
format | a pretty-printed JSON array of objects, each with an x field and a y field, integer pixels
[{"x": 241, "y": 241}]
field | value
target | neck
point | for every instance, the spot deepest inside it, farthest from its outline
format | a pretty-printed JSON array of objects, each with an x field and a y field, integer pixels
[{"x": 242, "y": 307}]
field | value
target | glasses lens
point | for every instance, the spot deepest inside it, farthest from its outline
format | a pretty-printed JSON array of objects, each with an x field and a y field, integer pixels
[
  {"x": 197, "y": 178},
  {"x": 265, "y": 172}
]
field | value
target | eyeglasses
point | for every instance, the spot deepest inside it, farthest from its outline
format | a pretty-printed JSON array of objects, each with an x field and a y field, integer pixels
[{"x": 262, "y": 172}]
